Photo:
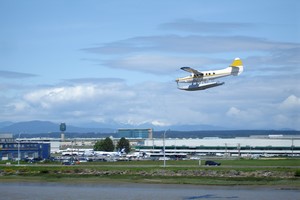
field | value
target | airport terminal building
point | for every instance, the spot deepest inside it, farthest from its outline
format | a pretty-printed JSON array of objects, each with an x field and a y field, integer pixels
[{"x": 135, "y": 133}]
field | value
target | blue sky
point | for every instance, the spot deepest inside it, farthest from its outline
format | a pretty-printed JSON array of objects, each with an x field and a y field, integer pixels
[{"x": 102, "y": 62}]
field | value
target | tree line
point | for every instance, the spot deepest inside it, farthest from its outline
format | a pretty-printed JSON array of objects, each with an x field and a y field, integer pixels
[{"x": 108, "y": 145}]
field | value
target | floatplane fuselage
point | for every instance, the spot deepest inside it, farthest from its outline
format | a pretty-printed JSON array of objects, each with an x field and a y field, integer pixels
[{"x": 201, "y": 80}]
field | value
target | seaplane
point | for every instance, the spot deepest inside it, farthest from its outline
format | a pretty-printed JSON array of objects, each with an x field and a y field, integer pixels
[{"x": 201, "y": 80}]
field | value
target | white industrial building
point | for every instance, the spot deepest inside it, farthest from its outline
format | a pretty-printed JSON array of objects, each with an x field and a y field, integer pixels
[{"x": 242, "y": 146}]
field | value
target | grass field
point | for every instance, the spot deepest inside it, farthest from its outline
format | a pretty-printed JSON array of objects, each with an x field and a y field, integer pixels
[
  {"x": 278, "y": 172},
  {"x": 279, "y": 162}
]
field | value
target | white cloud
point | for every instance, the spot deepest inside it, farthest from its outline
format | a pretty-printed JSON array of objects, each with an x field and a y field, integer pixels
[
  {"x": 189, "y": 25},
  {"x": 192, "y": 44},
  {"x": 281, "y": 120},
  {"x": 15, "y": 75},
  {"x": 76, "y": 103},
  {"x": 165, "y": 53},
  {"x": 159, "y": 64},
  {"x": 291, "y": 103},
  {"x": 159, "y": 123},
  {"x": 234, "y": 112},
  {"x": 246, "y": 118},
  {"x": 18, "y": 106},
  {"x": 57, "y": 96},
  {"x": 238, "y": 104},
  {"x": 288, "y": 113},
  {"x": 47, "y": 98}
]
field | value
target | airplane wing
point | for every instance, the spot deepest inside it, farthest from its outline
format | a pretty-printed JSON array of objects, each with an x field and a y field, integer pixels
[{"x": 191, "y": 70}]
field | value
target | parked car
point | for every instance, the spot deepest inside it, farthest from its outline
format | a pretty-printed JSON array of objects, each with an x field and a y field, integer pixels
[
  {"x": 212, "y": 163},
  {"x": 67, "y": 162}
]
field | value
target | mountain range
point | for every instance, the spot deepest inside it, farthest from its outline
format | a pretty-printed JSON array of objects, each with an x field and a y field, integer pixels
[
  {"x": 37, "y": 127},
  {"x": 49, "y": 129}
]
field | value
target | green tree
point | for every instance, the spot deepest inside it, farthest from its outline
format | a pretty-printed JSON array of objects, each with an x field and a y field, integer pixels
[
  {"x": 104, "y": 145},
  {"x": 98, "y": 145},
  {"x": 123, "y": 144}
]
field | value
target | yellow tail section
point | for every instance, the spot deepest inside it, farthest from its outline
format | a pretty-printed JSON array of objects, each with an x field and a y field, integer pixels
[
  {"x": 236, "y": 67},
  {"x": 236, "y": 63}
]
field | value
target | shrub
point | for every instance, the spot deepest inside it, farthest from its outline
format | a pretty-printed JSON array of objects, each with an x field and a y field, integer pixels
[{"x": 9, "y": 171}]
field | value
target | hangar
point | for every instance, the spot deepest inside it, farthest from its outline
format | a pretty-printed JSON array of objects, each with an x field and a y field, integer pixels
[{"x": 12, "y": 150}]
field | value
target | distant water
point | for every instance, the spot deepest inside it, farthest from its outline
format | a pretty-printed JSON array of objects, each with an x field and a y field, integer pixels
[{"x": 123, "y": 191}]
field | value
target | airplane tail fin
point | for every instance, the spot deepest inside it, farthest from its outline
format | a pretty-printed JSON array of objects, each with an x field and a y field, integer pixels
[{"x": 236, "y": 67}]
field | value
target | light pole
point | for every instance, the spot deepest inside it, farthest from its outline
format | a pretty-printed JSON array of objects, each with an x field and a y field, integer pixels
[
  {"x": 292, "y": 147},
  {"x": 19, "y": 149},
  {"x": 164, "y": 149}
]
